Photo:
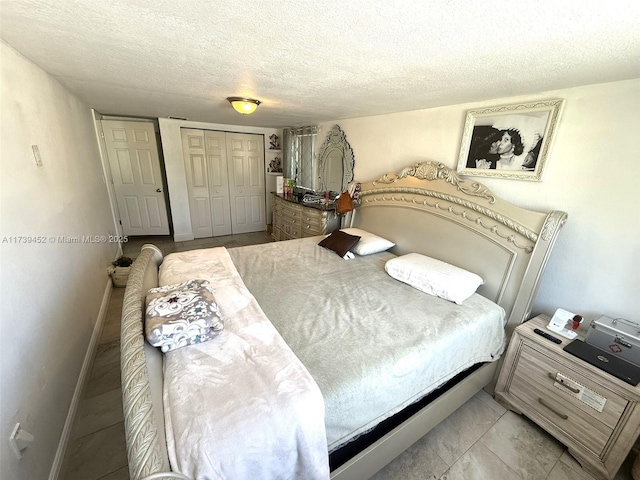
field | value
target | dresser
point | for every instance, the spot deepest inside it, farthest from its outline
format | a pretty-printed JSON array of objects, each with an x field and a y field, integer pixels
[
  {"x": 596, "y": 415},
  {"x": 293, "y": 219}
]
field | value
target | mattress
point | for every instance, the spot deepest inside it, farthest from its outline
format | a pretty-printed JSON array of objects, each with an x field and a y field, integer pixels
[{"x": 373, "y": 345}]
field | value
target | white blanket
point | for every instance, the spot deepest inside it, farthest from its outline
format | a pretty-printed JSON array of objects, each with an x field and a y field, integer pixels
[{"x": 241, "y": 406}]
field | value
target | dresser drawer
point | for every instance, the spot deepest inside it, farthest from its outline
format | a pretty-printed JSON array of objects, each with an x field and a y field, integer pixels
[
  {"x": 294, "y": 220},
  {"x": 548, "y": 389},
  {"x": 277, "y": 220},
  {"x": 277, "y": 234},
  {"x": 291, "y": 228},
  {"x": 309, "y": 231},
  {"x": 292, "y": 210},
  {"x": 291, "y": 221},
  {"x": 310, "y": 215}
]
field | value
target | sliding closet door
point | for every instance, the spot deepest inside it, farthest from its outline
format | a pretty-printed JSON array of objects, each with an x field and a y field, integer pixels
[
  {"x": 215, "y": 143},
  {"x": 206, "y": 168},
  {"x": 225, "y": 181},
  {"x": 245, "y": 157}
]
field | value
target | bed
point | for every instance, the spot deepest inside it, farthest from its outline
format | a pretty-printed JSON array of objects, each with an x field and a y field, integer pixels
[{"x": 425, "y": 209}]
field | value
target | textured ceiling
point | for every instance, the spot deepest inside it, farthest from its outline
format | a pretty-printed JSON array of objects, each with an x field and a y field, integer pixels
[{"x": 314, "y": 61}]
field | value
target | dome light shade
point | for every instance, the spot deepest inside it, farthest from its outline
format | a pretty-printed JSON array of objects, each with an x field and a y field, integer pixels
[{"x": 244, "y": 105}]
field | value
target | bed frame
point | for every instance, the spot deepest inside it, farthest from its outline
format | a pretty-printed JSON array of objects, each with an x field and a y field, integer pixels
[{"x": 426, "y": 208}]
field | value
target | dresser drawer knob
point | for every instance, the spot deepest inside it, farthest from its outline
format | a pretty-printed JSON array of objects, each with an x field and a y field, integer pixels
[
  {"x": 561, "y": 382},
  {"x": 561, "y": 415}
]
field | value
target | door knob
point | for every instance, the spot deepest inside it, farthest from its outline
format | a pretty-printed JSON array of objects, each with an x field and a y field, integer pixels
[{"x": 158, "y": 190}]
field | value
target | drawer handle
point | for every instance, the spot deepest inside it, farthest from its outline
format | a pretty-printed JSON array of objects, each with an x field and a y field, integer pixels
[
  {"x": 561, "y": 415},
  {"x": 561, "y": 382}
]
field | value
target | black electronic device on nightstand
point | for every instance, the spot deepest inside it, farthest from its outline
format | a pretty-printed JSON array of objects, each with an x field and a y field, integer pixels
[{"x": 608, "y": 362}]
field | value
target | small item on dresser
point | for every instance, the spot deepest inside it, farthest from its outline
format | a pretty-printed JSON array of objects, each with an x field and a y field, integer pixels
[
  {"x": 576, "y": 321},
  {"x": 617, "y": 336},
  {"x": 547, "y": 336},
  {"x": 558, "y": 324}
]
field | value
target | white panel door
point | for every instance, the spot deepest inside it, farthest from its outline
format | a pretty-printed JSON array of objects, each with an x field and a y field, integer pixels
[
  {"x": 218, "y": 182},
  {"x": 195, "y": 162},
  {"x": 137, "y": 181},
  {"x": 245, "y": 157},
  {"x": 205, "y": 158}
]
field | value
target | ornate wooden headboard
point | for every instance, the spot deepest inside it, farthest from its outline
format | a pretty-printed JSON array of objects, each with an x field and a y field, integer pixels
[{"x": 465, "y": 225}]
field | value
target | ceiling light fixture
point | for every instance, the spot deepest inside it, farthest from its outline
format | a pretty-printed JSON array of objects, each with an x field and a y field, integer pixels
[{"x": 244, "y": 105}]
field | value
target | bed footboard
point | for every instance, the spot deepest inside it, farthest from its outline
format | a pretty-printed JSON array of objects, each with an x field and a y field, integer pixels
[{"x": 146, "y": 446}]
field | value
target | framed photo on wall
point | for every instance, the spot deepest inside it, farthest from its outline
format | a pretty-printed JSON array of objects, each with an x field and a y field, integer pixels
[{"x": 510, "y": 141}]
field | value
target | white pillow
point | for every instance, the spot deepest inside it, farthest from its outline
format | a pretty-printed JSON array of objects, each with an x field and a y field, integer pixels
[
  {"x": 434, "y": 277},
  {"x": 369, "y": 243}
]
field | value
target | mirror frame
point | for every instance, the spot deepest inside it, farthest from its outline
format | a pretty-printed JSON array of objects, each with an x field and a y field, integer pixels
[{"x": 336, "y": 140}]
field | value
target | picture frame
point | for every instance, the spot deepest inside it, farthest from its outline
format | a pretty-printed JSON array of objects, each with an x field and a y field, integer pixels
[{"x": 511, "y": 141}]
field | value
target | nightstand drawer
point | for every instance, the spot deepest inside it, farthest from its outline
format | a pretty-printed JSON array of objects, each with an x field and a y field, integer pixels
[
  {"x": 561, "y": 413},
  {"x": 536, "y": 366}
]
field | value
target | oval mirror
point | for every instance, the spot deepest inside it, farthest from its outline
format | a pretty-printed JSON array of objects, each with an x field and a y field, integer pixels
[{"x": 335, "y": 162}]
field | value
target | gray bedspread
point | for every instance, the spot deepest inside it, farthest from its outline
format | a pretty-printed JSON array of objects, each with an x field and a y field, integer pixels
[{"x": 373, "y": 344}]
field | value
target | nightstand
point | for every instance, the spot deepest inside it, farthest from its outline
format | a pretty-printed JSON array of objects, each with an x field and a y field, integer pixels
[{"x": 594, "y": 414}]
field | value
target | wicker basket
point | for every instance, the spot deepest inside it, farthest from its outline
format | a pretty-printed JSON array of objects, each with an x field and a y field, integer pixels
[{"x": 119, "y": 276}]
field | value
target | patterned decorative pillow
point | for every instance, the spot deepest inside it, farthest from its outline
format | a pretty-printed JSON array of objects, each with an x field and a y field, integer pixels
[{"x": 182, "y": 314}]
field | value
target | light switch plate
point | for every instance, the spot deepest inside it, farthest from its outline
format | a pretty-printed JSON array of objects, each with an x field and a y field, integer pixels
[{"x": 36, "y": 155}]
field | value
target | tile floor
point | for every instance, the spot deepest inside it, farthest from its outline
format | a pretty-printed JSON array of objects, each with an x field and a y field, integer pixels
[{"x": 481, "y": 440}]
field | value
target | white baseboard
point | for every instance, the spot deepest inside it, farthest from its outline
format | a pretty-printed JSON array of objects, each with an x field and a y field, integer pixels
[{"x": 82, "y": 379}]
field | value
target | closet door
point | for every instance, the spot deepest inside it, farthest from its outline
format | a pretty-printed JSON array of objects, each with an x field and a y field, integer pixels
[
  {"x": 195, "y": 160},
  {"x": 245, "y": 157},
  {"x": 215, "y": 146},
  {"x": 205, "y": 157}
]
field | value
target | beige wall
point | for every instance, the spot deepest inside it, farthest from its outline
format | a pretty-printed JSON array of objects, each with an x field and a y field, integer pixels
[
  {"x": 51, "y": 292},
  {"x": 593, "y": 173}
]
